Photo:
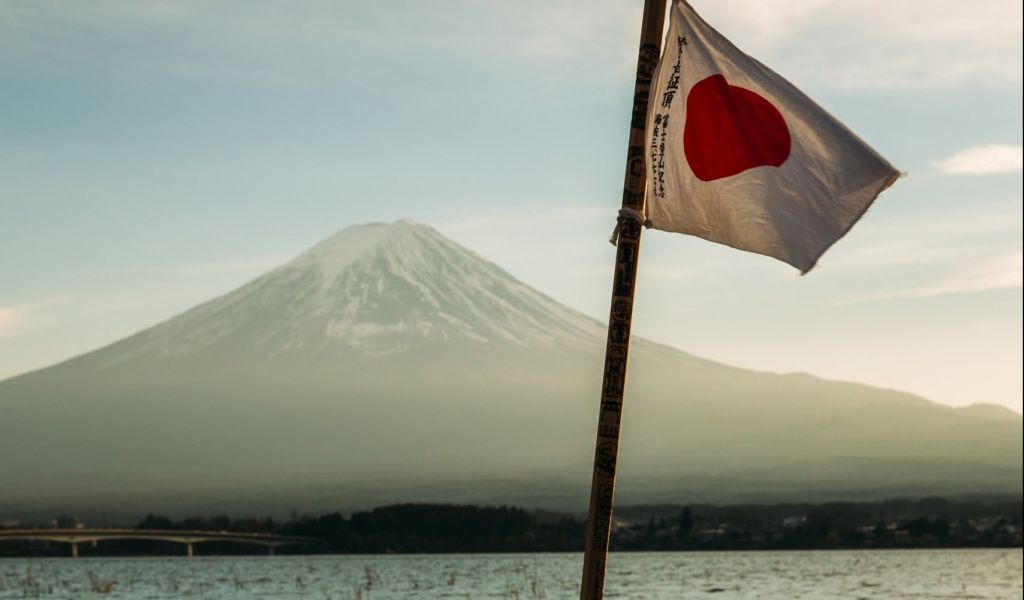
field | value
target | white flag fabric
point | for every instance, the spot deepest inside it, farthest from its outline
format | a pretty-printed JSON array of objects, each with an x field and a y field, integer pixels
[{"x": 738, "y": 155}]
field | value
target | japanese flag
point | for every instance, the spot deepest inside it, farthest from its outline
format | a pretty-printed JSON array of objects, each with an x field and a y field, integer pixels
[{"x": 739, "y": 156}]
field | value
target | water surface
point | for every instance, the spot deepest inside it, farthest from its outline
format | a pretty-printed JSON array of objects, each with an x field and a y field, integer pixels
[{"x": 890, "y": 574}]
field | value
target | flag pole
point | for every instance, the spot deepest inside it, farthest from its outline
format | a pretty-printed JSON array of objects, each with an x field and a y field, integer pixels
[{"x": 602, "y": 487}]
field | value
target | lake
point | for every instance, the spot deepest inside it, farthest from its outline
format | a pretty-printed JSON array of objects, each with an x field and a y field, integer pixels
[{"x": 862, "y": 574}]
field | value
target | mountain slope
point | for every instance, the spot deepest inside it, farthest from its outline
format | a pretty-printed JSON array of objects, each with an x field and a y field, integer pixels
[{"x": 388, "y": 363}]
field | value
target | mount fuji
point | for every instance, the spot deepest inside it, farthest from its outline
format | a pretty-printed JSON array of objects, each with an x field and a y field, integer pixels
[{"x": 388, "y": 363}]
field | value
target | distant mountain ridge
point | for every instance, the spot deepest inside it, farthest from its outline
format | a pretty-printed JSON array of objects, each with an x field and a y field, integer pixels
[
  {"x": 388, "y": 363},
  {"x": 986, "y": 410}
]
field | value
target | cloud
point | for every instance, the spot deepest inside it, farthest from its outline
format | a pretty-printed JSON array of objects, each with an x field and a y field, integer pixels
[
  {"x": 878, "y": 44},
  {"x": 989, "y": 159},
  {"x": 135, "y": 289},
  {"x": 241, "y": 266},
  {"x": 529, "y": 218},
  {"x": 924, "y": 237},
  {"x": 997, "y": 273},
  {"x": 963, "y": 249},
  {"x": 573, "y": 233},
  {"x": 317, "y": 43},
  {"x": 871, "y": 44}
]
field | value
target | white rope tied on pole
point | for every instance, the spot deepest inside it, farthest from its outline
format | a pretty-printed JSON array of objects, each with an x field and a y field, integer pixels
[{"x": 637, "y": 216}]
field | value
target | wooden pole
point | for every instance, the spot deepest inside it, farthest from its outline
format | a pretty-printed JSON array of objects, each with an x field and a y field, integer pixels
[{"x": 602, "y": 488}]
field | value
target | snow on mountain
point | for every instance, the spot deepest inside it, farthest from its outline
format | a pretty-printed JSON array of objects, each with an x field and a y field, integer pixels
[{"x": 371, "y": 290}]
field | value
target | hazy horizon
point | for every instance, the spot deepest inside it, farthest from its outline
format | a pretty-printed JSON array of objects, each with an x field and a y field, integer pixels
[{"x": 602, "y": 319}]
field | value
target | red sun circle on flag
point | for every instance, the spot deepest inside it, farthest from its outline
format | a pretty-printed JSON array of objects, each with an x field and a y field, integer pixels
[{"x": 730, "y": 129}]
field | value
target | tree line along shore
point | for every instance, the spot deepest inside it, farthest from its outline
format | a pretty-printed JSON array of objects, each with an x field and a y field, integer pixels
[{"x": 440, "y": 528}]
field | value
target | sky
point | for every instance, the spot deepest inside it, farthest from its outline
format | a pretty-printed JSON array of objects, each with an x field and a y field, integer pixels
[{"x": 156, "y": 154}]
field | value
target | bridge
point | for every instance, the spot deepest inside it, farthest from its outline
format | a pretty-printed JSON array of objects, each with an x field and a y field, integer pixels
[{"x": 74, "y": 537}]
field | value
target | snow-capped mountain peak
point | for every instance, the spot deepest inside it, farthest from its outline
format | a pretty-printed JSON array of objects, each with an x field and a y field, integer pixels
[{"x": 371, "y": 290}]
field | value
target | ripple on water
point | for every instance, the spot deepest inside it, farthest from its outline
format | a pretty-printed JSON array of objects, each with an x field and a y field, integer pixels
[{"x": 870, "y": 575}]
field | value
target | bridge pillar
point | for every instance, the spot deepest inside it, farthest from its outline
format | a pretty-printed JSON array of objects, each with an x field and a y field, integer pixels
[
  {"x": 188, "y": 549},
  {"x": 74, "y": 550},
  {"x": 271, "y": 549}
]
